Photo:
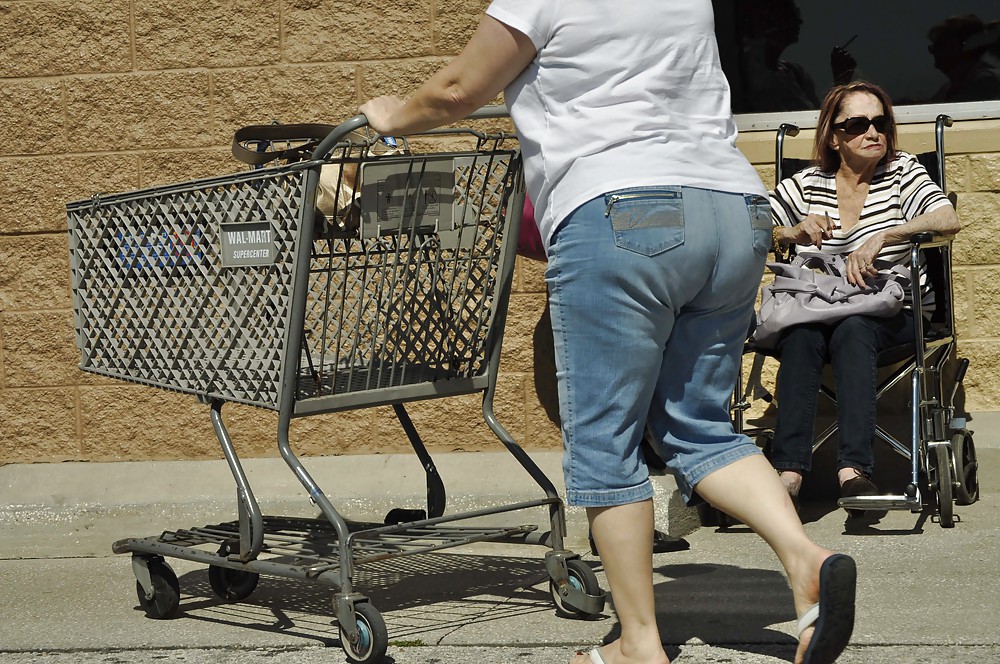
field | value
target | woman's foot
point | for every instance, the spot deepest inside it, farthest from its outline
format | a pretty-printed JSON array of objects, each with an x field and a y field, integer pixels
[
  {"x": 792, "y": 481},
  {"x": 612, "y": 654},
  {"x": 854, "y": 483},
  {"x": 823, "y": 587}
]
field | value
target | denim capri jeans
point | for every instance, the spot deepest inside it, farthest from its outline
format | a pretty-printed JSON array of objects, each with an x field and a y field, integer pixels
[{"x": 652, "y": 292}]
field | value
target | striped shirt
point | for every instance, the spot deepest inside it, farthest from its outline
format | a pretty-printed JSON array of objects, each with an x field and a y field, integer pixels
[{"x": 900, "y": 190}]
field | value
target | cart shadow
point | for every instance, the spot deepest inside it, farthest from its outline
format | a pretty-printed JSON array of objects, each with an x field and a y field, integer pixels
[{"x": 417, "y": 595}]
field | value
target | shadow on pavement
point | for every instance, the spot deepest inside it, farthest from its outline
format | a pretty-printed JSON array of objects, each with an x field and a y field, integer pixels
[
  {"x": 722, "y": 606},
  {"x": 417, "y": 596}
]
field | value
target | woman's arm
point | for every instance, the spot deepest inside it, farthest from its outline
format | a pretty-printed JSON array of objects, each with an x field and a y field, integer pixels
[
  {"x": 493, "y": 58},
  {"x": 942, "y": 220}
]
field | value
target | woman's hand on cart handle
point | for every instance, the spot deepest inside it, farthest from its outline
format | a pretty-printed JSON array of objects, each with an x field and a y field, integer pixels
[
  {"x": 338, "y": 134},
  {"x": 379, "y": 112}
]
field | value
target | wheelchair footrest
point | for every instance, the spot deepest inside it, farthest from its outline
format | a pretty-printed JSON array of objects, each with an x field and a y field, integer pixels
[{"x": 900, "y": 502}]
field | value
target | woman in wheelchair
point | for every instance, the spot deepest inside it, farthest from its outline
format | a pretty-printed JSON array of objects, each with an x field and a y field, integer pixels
[{"x": 863, "y": 199}]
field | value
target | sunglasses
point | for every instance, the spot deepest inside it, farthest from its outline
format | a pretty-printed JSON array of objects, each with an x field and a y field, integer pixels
[{"x": 859, "y": 125}]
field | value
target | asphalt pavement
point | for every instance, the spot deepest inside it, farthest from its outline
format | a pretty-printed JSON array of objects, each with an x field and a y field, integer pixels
[{"x": 925, "y": 593}]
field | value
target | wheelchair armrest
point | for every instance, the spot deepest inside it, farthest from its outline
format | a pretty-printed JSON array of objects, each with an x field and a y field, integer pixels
[{"x": 931, "y": 239}]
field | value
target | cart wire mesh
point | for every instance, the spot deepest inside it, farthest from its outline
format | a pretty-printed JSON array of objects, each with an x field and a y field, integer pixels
[{"x": 190, "y": 287}]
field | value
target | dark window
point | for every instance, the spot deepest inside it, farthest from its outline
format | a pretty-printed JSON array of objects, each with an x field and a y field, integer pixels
[{"x": 783, "y": 55}]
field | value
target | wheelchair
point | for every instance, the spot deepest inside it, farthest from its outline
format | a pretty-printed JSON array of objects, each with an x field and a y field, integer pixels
[{"x": 943, "y": 470}]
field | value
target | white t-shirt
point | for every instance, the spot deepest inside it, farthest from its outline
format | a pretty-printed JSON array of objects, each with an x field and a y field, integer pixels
[{"x": 620, "y": 95}]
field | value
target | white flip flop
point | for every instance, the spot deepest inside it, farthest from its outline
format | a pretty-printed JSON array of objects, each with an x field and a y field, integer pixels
[{"x": 595, "y": 656}]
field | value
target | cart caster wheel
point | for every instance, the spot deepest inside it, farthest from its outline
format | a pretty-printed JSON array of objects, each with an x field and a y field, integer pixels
[
  {"x": 946, "y": 509},
  {"x": 582, "y": 578},
  {"x": 967, "y": 491},
  {"x": 373, "y": 638},
  {"x": 166, "y": 591},
  {"x": 232, "y": 584}
]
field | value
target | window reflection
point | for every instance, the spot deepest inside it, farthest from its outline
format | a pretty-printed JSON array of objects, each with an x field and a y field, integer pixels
[{"x": 783, "y": 55}]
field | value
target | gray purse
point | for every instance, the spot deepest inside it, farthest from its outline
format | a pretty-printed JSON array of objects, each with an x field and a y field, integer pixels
[{"x": 813, "y": 288}]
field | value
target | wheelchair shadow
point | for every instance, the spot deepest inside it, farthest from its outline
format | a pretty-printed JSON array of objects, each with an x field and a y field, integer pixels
[
  {"x": 722, "y": 606},
  {"x": 417, "y": 596}
]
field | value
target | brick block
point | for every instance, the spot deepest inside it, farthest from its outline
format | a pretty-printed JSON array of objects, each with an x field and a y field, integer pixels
[
  {"x": 33, "y": 118},
  {"x": 159, "y": 168},
  {"x": 128, "y": 112},
  {"x": 984, "y": 172},
  {"x": 542, "y": 429},
  {"x": 348, "y": 432},
  {"x": 58, "y": 37},
  {"x": 254, "y": 432},
  {"x": 956, "y": 171},
  {"x": 543, "y": 397},
  {"x": 454, "y": 23},
  {"x": 172, "y": 34},
  {"x": 962, "y": 287},
  {"x": 34, "y": 273},
  {"x": 136, "y": 423},
  {"x": 455, "y": 424},
  {"x": 396, "y": 78},
  {"x": 36, "y": 190},
  {"x": 38, "y": 426},
  {"x": 332, "y": 30},
  {"x": 524, "y": 322},
  {"x": 286, "y": 94},
  {"x": 980, "y": 216},
  {"x": 981, "y": 388},
  {"x": 766, "y": 174},
  {"x": 39, "y": 350},
  {"x": 985, "y": 304},
  {"x": 530, "y": 276}
]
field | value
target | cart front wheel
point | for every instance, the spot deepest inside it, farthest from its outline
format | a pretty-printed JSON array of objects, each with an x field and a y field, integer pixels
[
  {"x": 373, "y": 637},
  {"x": 582, "y": 578},
  {"x": 166, "y": 591},
  {"x": 946, "y": 509},
  {"x": 968, "y": 468},
  {"x": 232, "y": 584}
]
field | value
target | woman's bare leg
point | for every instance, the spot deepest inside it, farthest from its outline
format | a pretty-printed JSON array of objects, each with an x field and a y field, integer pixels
[
  {"x": 624, "y": 538},
  {"x": 750, "y": 490}
]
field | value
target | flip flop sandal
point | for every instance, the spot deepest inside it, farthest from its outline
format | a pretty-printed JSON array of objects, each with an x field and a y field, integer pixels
[
  {"x": 833, "y": 617},
  {"x": 595, "y": 656}
]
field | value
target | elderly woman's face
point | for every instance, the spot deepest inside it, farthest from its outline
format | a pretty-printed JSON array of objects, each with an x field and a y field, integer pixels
[{"x": 860, "y": 128}]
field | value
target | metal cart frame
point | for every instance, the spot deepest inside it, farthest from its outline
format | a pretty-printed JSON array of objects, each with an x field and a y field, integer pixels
[{"x": 258, "y": 274}]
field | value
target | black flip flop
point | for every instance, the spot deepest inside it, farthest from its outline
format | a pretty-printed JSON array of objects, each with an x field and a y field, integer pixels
[{"x": 833, "y": 617}]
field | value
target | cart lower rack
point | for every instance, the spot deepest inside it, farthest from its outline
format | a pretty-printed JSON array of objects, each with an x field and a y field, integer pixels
[{"x": 238, "y": 289}]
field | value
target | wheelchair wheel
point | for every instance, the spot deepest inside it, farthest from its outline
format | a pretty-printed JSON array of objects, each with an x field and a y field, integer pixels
[
  {"x": 942, "y": 464},
  {"x": 967, "y": 489}
]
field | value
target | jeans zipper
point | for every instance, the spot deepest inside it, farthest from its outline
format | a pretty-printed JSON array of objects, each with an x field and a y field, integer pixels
[{"x": 615, "y": 198}]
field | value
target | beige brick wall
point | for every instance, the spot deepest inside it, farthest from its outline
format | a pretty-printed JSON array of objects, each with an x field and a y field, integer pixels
[{"x": 111, "y": 96}]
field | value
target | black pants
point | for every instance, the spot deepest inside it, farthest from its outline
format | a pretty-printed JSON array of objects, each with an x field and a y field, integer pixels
[{"x": 851, "y": 346}]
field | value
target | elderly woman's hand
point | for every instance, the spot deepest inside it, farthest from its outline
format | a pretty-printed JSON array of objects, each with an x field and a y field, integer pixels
[
  {"x": 861, "y": 262},
  {"x": 811, "y": 230},
  {"x": 380, "y": 111}
]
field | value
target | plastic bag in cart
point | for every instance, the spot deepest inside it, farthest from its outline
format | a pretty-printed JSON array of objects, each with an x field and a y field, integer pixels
[{"x": 337, "y": 195}]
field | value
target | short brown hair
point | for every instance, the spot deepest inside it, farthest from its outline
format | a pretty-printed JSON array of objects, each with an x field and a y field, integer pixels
[{"x": 823, "y": 154}]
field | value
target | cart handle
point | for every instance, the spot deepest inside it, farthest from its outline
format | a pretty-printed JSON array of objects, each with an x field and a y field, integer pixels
[
  {"x": 338, "y": 133},
  {"x": 359, "y": 121}
]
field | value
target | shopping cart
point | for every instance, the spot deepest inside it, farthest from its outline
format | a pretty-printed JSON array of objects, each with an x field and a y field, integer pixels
[{"x": 236, "y": 289}]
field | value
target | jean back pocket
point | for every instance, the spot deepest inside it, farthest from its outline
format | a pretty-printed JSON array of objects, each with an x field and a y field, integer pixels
[
  {"x": 759, "y": 209},
  {"x": 646, "y": 220}
]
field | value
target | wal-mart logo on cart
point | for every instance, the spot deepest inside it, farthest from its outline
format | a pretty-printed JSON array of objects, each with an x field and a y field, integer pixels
[{"x": 248, "y": 244}]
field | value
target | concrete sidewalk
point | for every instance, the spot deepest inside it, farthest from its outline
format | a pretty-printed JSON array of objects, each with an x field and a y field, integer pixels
[{"x": 925, "y": 593}]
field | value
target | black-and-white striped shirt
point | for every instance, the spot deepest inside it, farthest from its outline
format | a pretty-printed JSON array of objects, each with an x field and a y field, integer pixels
[{"x": 900, "y": 190}]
